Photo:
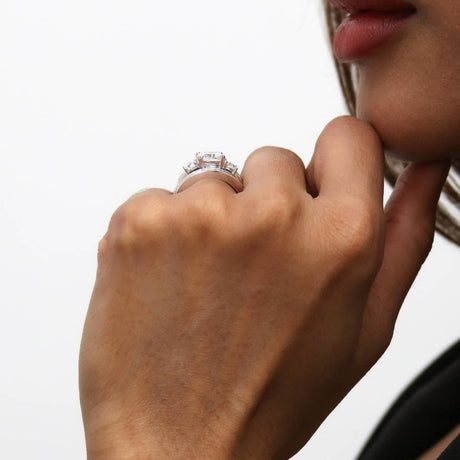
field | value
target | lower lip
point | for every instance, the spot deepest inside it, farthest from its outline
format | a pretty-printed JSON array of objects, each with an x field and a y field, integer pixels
[{"x": 360, "y": 34}]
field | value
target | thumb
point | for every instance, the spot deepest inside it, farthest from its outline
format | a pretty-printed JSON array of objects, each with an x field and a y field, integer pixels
[{"x": 410, "y": 217}]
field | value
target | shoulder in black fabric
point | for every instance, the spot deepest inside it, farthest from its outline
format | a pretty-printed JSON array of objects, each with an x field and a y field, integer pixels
[{"x": 427, "y": 410}]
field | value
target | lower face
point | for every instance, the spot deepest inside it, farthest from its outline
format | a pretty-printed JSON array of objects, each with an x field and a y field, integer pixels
[{"x": 409, "y": 87}]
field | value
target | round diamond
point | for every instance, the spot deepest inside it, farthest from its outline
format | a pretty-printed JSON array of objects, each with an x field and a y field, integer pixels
[{"x": 213, "y": 159}]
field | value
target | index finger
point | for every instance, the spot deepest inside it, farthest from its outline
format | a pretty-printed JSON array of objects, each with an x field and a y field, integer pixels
[{"x": 348, "y": 160}]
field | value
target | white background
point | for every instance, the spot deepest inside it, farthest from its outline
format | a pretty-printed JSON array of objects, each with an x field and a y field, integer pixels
[{"x": 99, "y": 99}]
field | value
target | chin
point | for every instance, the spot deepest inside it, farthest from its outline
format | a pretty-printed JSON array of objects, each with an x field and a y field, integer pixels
[
  {"x": 411, "y": 137},
  {"x": 416, "y": 121}
]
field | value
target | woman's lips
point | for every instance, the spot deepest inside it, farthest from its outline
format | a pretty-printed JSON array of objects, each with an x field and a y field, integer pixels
[
  {"x": 359, "y": 34},
  {"x": 389, "y": 6}
]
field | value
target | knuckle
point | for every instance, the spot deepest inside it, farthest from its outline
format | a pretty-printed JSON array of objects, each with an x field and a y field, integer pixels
[
  {"x": 251, "y": 229},
  {"x": 277, "y": 155},
  {"x": 359, "y": 237},
  {"x": 138, "y": 222},
  {"x": 102, "y": 248},
  {"x": 209, "y": 213},
  {"x": 280, "y": 209}
]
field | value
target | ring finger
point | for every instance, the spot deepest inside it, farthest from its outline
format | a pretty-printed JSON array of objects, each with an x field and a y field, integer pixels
[{"x": 213, "y": 180}]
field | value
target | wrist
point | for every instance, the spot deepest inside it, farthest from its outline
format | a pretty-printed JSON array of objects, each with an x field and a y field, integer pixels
[
  {"x": 114, "y": 442},
  {"x": 139, "y": 441},
  {"x": 120, "y": 448}
]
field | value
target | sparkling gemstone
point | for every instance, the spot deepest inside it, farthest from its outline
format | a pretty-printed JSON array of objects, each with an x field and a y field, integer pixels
[
  {"x": 191, "y": 166},
  {"x": 231, "y": 167},
  {"x": 213, "y": 159}
]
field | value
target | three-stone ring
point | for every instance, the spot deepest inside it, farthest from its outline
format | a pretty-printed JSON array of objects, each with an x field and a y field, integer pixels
[{"x": 214, "y": 162}]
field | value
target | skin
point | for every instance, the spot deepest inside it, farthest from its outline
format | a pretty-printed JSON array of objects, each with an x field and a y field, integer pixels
[
  {"x": 228, "y": 325},
  {"x": 210, "y": 334},
  {"x": 409, "y": 89},
  {"x": 410, "y": 92}
]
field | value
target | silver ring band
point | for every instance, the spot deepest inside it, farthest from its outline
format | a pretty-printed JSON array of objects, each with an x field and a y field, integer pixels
[{"x": 214, "y": 162}]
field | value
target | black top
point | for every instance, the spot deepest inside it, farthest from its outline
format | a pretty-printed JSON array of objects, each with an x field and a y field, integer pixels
[{"x": 422, "y": 415}]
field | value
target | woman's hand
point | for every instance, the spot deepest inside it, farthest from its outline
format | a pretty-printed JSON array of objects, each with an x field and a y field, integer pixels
[{"x": 229, "y": 325}]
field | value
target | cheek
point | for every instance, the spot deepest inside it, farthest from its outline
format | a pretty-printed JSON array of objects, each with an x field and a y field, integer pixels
[{"x": 410, "y": 92}]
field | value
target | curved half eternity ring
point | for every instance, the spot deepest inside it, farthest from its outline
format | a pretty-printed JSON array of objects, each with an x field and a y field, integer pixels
[{"x": 211, "y": 161}]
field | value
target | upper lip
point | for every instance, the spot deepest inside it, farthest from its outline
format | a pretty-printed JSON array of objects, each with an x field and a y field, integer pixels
[{"x": 391, "y": 6}]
